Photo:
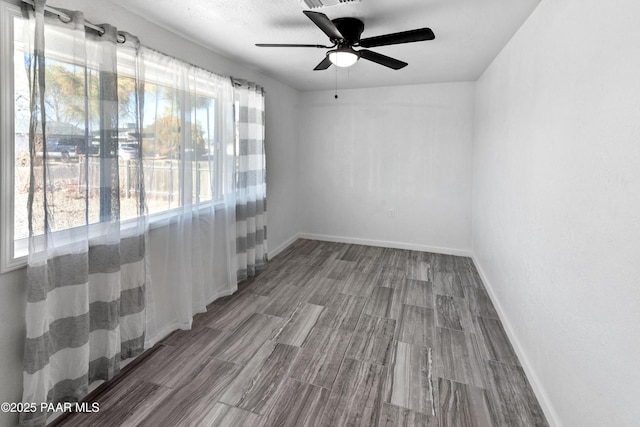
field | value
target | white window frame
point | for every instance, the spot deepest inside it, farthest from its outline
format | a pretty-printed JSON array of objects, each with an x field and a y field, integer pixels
[
  {"x": 8, "y": 259},
  {"x": 13, "y": 254}
]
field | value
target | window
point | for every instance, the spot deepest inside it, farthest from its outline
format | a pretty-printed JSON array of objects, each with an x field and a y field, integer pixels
[
  {"x": 177, "y": 144},
  {"x": 168, "y": 147}
]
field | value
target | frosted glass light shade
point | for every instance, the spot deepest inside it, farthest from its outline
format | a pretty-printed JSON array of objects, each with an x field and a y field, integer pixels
[{"x": 343, "y": 58}]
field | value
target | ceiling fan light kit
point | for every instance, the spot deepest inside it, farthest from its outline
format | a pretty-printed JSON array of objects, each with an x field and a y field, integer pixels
[
  {"x": 344, "y": 34},
  {"x": 343, "y": 57}
]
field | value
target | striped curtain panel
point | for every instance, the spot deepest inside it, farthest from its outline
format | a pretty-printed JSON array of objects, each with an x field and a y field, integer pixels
[
  {"x": 251, "y": 184},
  {"x": 86, "y": 272}
]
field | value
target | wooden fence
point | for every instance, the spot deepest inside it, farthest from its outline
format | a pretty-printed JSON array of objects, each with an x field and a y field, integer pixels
[{"x": 161, "y": 176}]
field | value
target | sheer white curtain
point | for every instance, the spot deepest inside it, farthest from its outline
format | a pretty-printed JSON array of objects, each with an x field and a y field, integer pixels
[
  {"x": 122, "y": 139},
  {"x": 189, "y": 158},
  {"x": 86, "y": 274}
]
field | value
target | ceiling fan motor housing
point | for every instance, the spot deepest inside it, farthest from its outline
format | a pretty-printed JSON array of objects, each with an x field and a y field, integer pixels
[
  {"x": 315, "y": 4},
  {"x": 350, "y": 28}
]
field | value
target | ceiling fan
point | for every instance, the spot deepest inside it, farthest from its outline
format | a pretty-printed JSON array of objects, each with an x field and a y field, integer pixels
[{"x": 344, "y": 34}]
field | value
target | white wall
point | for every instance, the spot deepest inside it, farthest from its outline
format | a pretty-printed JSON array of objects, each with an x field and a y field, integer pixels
[
  {"x": 556, "y": 212},
  {"x": 403, "y": 148},
  {"x": 12, "y": 331},
  {"x": 281, "y": 133},
  {"x": 281, "y": 145}
]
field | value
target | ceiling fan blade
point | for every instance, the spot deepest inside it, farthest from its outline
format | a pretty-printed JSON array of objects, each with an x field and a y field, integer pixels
[
  {"x": 378, "y": 58},
  {"x": 410, "y": 36},
  {"x": 326, "y": 63},
  {"x": 324, "y": 23},
  {"x": 292, "y": 45}
]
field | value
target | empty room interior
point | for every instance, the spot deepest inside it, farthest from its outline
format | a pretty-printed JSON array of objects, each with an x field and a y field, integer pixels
[{"x": 320, "y": 213}]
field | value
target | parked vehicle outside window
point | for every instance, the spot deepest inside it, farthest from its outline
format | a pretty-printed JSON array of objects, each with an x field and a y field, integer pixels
[
  {"x": 128, "y": 151},
  {"x": 66, "y": 148}
]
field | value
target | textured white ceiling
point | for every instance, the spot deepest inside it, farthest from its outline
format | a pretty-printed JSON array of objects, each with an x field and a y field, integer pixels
[{"x": 469, "y": 34}]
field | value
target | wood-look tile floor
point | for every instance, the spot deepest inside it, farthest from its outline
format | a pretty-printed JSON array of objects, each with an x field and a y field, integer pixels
[{"x": 334, "y": 335}]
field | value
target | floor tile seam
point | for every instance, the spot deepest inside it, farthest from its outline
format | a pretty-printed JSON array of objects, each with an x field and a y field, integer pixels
[
  {"x": 243, "y": 409},
  {"x": 511, "y": 365},
  {"x": 412, "y": 343},
  {"x": 312, "y": 384},
  {"x": 409, "y": 409},
  {"x": 370, "y": 362},
  {"x": 234, "y": 329},
  {"x": 489, "y": 359},
  {"x": 487, "y": 317},
  {"x": 450, "y": 329},
  {"x": 381, "y": 317},
  {"x": 419, "y": 306},
  {"x": 425, "y": 347},
  {"x": 445, "y": 377}
]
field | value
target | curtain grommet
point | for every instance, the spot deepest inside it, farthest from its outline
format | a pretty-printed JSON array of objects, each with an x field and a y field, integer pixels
[{"x": 62, "y": 16}]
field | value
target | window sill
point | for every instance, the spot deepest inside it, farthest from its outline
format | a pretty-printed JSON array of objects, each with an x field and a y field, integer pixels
[
  {"x": 155, "y": 221},
  {"x": 163, "y": 219}
]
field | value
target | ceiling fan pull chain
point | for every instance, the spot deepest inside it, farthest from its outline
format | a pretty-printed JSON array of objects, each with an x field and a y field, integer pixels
[{"x": 336, "y": 95}]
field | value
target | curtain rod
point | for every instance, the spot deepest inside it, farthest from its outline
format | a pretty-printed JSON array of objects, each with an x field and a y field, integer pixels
[
  {"x": 66, "y": 18},
  {"x": 121, "y": 39}
]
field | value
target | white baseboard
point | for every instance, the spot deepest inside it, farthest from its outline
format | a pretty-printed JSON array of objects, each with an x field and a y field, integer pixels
[
  {"x": 536, "y": 385},
  {"x": 175, "y": 325},
  {"x": 386, "y": 244},
  {"x": 283, "y": 246}
]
